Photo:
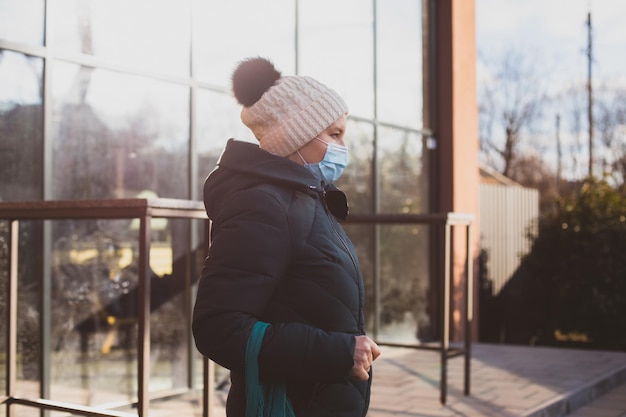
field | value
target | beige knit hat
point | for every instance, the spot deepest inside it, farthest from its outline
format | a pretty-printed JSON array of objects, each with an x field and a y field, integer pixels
[{"x": 284, "y": 113}]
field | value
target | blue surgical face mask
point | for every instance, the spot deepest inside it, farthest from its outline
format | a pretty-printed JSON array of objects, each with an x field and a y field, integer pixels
[{"x": 330, "y": 168}]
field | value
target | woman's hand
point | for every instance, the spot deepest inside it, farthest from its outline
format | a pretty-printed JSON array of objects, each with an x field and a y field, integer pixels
[{"x": 365, "y": 352}]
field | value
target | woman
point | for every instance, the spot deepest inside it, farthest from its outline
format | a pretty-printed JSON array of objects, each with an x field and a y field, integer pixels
[{"x": 278, "y": 253}]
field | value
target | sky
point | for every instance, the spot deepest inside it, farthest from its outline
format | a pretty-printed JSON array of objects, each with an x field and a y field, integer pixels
[
  {"x": 555, "y": 31},
  {"x": 552, "y": 35}
]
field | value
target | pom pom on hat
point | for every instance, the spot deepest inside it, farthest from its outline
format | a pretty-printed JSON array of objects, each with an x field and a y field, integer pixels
[
  {"x": 252, "y": 78},
  {"x": 283, "y": 112}
]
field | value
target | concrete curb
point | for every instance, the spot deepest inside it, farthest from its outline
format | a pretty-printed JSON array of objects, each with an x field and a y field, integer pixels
[{"x": 569, "y": 402}]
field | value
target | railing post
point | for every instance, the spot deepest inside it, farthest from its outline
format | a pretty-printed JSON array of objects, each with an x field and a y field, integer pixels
[
  {"x": 143, "y": 348},
  {"x": 445, "y": 325},
  {"x": 469, "y": 298},
  {"x": 12, "y": 314}
]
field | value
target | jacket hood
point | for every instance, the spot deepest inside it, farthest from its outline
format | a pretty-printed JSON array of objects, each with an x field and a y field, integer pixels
[{"x": 244, "y": 165}]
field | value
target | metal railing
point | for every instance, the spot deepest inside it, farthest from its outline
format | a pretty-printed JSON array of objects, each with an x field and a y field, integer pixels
[
  {"x": 147, "y": 209},
  {"x": 447, "y": 221},
  {"x": 144, "y": 210}
]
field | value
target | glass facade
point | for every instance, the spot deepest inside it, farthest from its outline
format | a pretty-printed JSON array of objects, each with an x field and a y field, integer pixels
[
  {"x": 117, "y": 135},
  {"x": 22, "y": 21},
  {"x": 141, "y": 35},
  {"x": 109, "y": 99},
  {"x": 21, "y": 126}
]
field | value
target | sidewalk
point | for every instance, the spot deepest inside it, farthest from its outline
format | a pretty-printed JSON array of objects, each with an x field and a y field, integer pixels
[{"x": 506, "y": 381}]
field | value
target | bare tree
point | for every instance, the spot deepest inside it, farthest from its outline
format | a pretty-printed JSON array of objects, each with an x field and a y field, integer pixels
[
  {"x": 610, "y": 126},
  {"x": 510, "y": 102},
  {"x": 572, "y": 103},
  {"x": 531, "y": 171}
]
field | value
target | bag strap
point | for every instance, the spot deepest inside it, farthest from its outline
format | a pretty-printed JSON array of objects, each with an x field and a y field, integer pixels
[
  {"x": 261, "y": 400},
  {"x": 255, "y": 398}
]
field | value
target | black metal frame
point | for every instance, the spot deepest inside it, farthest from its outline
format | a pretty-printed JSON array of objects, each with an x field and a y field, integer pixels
[
  {"x": 448, "y": 221},
  {"x": 145, "y": 210},
  {"x": 142, "y": 209}
]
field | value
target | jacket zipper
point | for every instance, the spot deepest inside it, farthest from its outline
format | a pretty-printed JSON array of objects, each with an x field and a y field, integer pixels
[
  {"x": 354, "y": 263},
  {"x": 356, "y": 269}
]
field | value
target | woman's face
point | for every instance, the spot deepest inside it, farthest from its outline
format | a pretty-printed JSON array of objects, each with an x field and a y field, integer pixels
[{"x": 314, "y": 151}]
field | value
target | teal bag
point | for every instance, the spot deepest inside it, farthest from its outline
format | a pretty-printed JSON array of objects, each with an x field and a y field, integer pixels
[{"x": 263, "y": 400}]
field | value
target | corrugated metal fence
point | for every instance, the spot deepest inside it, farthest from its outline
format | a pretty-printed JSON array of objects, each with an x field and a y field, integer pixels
[{"x": 506, "y": 214}]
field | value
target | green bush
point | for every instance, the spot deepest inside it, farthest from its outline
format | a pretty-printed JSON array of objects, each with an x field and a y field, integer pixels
[{"x": 575, "y": 275}]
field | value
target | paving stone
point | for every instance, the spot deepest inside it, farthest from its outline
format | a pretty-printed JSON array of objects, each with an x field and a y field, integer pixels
[{"x": 506, "y": 381}]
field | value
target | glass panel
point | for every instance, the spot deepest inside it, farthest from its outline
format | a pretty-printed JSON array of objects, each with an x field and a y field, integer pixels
[
  {"x": 151, "y": 35},
  {"x": 336, "y": 47},
  {"x": 357, "y": 179},
  {"x": 22, "y": 21},
  {"x": 403, "y": 181},
  {"x": 118, "y": 136},
  {"x": 408, "y": 301},
  {"x": 399, "y": 63},
  {"x": 21, "y": 127},
  {"x": 408, "y": 304},
  {"x": 93, "y": 311},
  {"x": 170, "y": 336},
  {"x": 28, "y": 312},
  {"x": 225, "y": 32},
  {"x": 218, "y": 120}
]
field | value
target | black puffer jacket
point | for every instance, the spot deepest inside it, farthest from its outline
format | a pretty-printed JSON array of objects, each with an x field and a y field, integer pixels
[{"x": 279, "y": 256}]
